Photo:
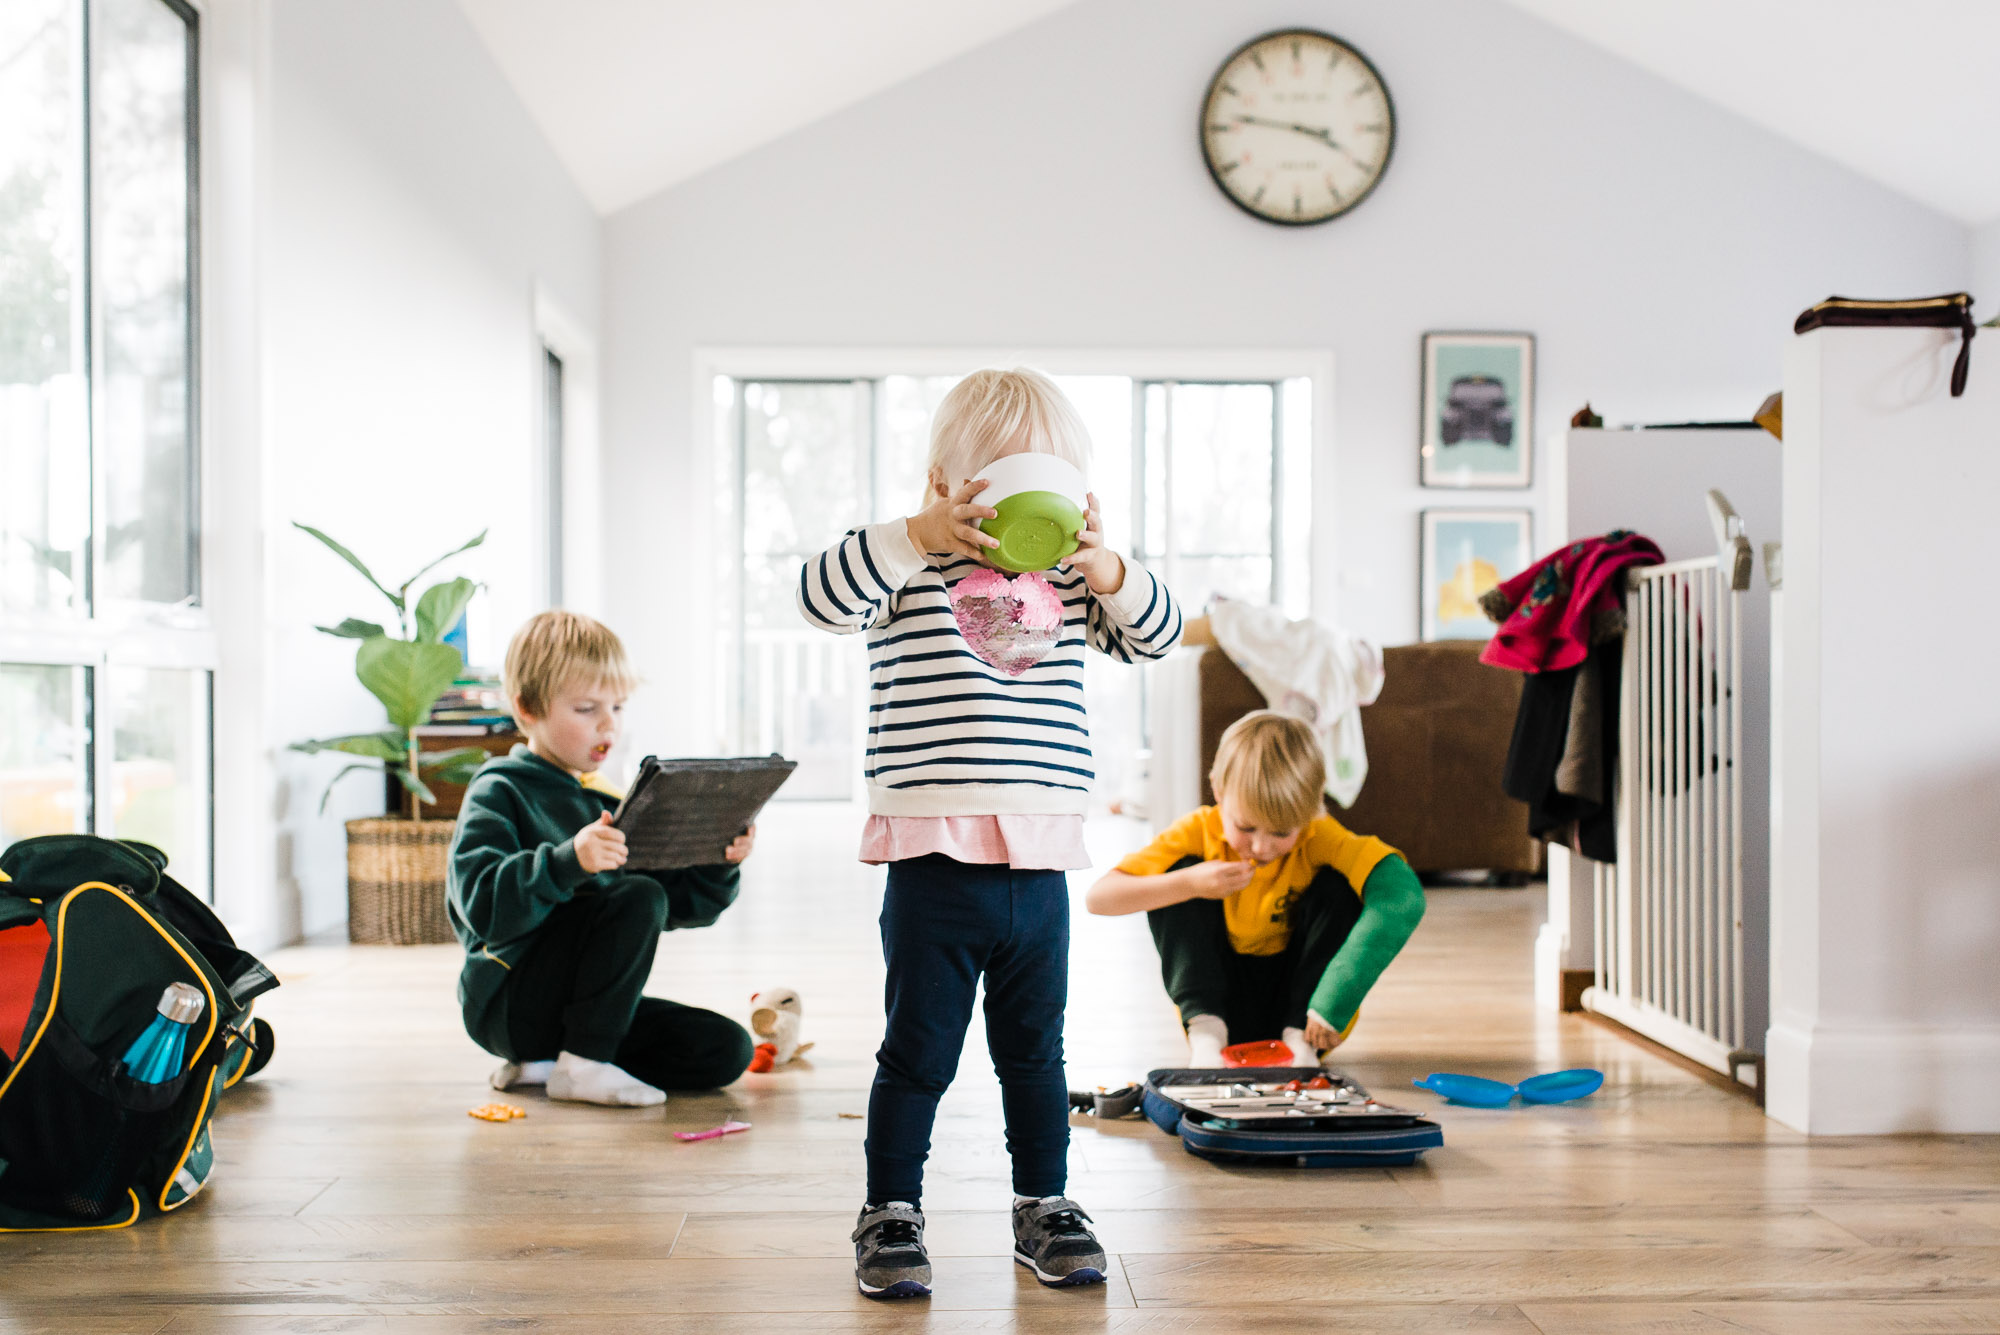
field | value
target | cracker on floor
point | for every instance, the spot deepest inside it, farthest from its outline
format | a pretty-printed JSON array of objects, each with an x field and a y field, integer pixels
[{"x": 496, "y": 1112}]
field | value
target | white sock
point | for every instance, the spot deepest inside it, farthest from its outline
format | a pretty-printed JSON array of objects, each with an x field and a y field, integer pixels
[
  {"x": 512, "y": 1075},
  {"x": 580, "y": 1080},
  {"x": 1303, "y": 1053},
  {"x": 1207, "y": 1037}
]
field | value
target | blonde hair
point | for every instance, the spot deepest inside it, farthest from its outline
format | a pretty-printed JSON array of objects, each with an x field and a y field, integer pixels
[
  {"x": 989, "y": 411},
  {"x": 1271, "y": 764},
  {"x": 556, "y": 648}
]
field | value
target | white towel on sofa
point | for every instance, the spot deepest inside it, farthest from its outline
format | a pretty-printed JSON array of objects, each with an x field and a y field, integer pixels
[{"x": 1315, "y": 672}]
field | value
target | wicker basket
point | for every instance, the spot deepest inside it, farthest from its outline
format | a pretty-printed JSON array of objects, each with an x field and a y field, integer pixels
[{"x": 395, "y": 882}]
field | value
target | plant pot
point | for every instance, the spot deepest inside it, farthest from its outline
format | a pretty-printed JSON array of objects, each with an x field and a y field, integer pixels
[{"x": 396, "y": 882}]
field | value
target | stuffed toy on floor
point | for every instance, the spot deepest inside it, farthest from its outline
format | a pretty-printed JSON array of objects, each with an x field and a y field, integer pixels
[{"x": 775, "y": 1016}]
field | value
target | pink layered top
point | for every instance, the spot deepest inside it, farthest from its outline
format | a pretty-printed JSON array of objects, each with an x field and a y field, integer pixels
[{"x": 1023, "y": 842}]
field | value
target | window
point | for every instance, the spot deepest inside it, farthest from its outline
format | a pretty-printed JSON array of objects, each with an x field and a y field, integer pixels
[
  {"x": 106, "y": 656},
  {"x": 1203, "y": 481},
  {"x": 552, "y": 461}
]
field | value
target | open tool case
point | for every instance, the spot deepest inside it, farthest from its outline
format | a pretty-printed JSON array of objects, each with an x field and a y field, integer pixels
[{"x": 1275, "y": 1114}]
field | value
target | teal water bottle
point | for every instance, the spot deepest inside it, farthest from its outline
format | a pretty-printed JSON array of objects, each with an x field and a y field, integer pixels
[{"x": 155, "y": 1056}]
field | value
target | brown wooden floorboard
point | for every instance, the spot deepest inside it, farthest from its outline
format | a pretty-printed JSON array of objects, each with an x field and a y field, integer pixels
[{"x": 354, "y": 1194}]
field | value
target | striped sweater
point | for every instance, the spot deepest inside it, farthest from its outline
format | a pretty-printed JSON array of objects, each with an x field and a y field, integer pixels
[{"x": 948, "y": 734}]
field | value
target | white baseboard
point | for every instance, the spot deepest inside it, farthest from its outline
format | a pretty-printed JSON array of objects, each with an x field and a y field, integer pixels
[
  {"x": 1883, "y": 1079},
  {"x": 1549, "y": 947}
]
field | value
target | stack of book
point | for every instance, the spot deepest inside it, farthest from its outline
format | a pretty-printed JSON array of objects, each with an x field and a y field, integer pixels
[{"x": 473, "y": 707}]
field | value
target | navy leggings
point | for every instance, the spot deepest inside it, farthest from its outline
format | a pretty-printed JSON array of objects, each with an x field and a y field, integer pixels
[{"x": 945, "y": 923}]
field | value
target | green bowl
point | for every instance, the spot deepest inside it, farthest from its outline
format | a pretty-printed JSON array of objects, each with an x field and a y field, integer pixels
[{"x": 1036, "y": 529}]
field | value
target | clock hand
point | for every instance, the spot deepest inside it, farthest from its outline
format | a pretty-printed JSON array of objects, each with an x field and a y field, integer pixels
[
  {"x": 1306, "y": 130},
  {"x": 1320, "y": 133}
]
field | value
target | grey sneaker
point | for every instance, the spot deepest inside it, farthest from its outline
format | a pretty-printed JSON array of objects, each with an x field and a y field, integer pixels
[
  {"x": 1052, "y": 1237},
  {"x": 889, "y": 1256}
]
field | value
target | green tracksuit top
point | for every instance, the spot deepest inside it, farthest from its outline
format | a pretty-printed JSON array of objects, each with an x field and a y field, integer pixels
[{"x": 512, "y": 864}]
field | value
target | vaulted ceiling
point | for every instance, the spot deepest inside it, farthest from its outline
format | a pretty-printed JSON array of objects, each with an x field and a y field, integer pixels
[
  {"x": 638, "y": 95},
  {"x": 1906, "y": 92}
]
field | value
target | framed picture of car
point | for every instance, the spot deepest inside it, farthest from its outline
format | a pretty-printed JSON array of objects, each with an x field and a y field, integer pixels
[
  {"x": 1465, "y": 553},
  {"x": 1478, "y": 410}
]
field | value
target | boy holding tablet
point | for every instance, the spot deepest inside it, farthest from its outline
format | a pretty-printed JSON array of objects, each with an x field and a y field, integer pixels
[{"x": 559, "y": 938}]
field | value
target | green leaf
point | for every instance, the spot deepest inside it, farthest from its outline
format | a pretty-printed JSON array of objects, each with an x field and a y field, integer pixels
[
  {"x": 359, "y": 764},
  {"x": 374, "y": 745},
  {"x": 466, "y": 546},
  {"x": 441, "y": 606},
  {"x": 354, "y": 628},
  {"x": 458, "y": 755},
  {"x": 406, "y": 676},
  {"x": 445, "y": 768},
  {"x": 354, "y": 561},
  {"x": 413, "y": 783}
]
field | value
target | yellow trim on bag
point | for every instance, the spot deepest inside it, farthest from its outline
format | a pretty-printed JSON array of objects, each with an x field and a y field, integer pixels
[
  {"x": 55, "y": 985},
  {"x": 126, "y": 1222},
  {"x": 194, "y": 1134},
  {"x": 243, "y": 1031}
]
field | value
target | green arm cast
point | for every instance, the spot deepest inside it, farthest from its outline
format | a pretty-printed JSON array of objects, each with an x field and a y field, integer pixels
[{"x": 1392, "y": 903}]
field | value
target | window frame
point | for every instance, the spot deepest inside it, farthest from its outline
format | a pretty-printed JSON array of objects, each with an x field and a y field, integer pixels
[
  {"x": 98, "y": 634},
  {"x": 1297, "y": 541}
]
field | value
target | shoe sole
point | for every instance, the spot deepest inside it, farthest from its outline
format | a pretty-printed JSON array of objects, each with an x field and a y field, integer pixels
[
  {"x": 1084, "y": 1275},
  {"x": 902, "y": 1288}
]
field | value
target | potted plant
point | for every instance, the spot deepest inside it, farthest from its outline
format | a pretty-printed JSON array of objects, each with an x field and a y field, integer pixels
[{"x": 396, "y": 862}]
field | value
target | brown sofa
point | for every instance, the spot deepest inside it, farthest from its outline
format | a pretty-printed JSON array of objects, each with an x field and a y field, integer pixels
[{"x": 1437, "y": 740}]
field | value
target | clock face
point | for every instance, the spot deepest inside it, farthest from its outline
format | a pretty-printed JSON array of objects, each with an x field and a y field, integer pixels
[{"x": 1297, "y": 127}]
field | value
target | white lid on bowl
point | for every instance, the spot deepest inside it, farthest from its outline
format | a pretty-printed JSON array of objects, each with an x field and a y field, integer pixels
[{"x": 1033, "y": 472}]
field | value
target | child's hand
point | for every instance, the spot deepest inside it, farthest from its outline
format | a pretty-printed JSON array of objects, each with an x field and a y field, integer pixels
[
  {"x": 1218, "y": 880},
  {"x": 951, "y": 524},
  {"x": 740, "y": 848},
  {"x": 1321, "y": 1034},
  {"x": 1103, "y": 569},
  {"x": 599, "y": 846}
]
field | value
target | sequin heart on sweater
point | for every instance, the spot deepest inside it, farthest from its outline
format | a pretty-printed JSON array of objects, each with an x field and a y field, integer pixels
[{"x": 1011, "y": 624}]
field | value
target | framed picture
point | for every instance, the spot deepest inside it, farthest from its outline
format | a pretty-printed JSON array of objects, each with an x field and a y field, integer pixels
[
  {"x": 1465, "y": 553},
  {"x": 1478, "y": 410}
]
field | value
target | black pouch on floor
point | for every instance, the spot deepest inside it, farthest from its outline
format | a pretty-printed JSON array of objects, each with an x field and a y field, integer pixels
[{"x": 1951, "y": 311}]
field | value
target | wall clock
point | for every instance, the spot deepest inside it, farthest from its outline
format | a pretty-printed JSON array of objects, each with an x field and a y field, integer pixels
[{"x": 1297, "y": 127}]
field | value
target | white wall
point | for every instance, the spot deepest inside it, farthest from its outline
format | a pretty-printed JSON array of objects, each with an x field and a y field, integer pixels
[
  {"x": 1885, "y": 1002},
  {"x": 407, "y": 214},
  {"x": 1047, "y": 191},
  {"x": 1986, "y": 271}
]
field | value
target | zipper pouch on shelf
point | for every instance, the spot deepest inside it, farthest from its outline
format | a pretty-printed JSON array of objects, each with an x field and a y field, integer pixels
[{"x": 1950, "y": 311}]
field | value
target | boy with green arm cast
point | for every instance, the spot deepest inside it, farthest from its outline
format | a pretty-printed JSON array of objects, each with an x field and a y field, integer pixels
[
  {"x": 559, "y": 938},
  {"x": 1272, "y": 920}
]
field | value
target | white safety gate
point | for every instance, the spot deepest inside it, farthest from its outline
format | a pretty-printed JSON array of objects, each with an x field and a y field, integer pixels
[{"x": 1669, "y": 915}]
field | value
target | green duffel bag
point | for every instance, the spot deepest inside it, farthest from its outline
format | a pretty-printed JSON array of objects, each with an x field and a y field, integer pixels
[{"x": 85, "y": 1142}]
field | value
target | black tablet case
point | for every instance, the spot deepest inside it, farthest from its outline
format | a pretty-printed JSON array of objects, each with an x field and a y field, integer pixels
[{"x": 685, "y": 813}]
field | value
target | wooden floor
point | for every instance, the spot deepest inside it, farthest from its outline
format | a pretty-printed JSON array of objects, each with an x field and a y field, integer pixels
[{"x": 354, "y": 1194}]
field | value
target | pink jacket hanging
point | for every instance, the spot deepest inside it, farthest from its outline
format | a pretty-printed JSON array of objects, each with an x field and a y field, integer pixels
[{"x": 1548, "y": 612}]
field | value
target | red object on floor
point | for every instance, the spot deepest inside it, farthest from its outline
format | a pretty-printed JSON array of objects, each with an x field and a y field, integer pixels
[
  {"x": 22, "y": 952},
  {"x": 764, "y": 1058},
  {"x": 1267, "y": 1052}
]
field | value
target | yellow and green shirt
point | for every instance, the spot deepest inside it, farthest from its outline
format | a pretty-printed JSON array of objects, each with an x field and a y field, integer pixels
[{"x": 1256, "y": 914}]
